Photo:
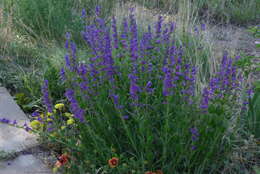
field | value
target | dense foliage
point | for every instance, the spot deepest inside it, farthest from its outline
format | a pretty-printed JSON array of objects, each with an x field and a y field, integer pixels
[{"x": 133, "y": 97}]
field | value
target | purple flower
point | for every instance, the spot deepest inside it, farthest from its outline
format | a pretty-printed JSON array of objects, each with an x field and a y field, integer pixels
[
  {"x": 115, "y": 99},
  {"x": 167, "y": 81},
  {"x": 196, "y": 30},
  {"x": 125, "y": 117},
  {"x": 14, "y": 122},
  {"x": 134, "y": 89},
  {"x": 35, "y": 114},
  {"x": 83, "y": 13},
  {"x": 250, "y": 93},
  {"x": 50, "y": 129},
  {"x": 124, "y": 34},
  {"x": 194, "y": 137},
  {"x": 98, "y": 10},
  {"x": 67, "y": 60},
  {"x": 26, "y": 127},
  {"x": 67, "y": 40},
  {"x": 73, "y": 54},
  {"x": 148, "y": 87},
  {"x": 205, "y": 100},
  {"x": 172, "y": 27},
  {"x": 68, "y": 35},
  {"x": 74, "y": 106},
  {"x": 46, "y": 97},
  {"x": 134, "y": 39},
  {"x": 203, "y": 27},
  {"x": 5, "y": 120},
  {"x": 108, "y": 61},
  {"x": 84, "y": 86},
  {"x": 62, "y": 74},
  {"x": 158, "y": 27}
]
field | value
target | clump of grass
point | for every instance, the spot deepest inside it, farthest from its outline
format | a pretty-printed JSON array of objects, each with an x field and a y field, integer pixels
[
  {"x": 133, "y": 107},
  {"x": 235, "y": 11},
  {"x": 50, "y": 18}
]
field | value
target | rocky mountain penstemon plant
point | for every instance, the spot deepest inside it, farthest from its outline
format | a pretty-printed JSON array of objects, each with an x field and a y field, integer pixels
[{"x": 134, "y": 107}]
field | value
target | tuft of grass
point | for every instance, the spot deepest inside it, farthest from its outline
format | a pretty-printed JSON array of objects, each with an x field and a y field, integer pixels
[
  {"x": 253, "y": 118},
  {"x": 235, "y": 11},
  {"x": 51, "y": 18}
]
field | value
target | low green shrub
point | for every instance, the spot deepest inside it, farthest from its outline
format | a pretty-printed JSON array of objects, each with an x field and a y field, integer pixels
[{"x": 132, "y": 105}]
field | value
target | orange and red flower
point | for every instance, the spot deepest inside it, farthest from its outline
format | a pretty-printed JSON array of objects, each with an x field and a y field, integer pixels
[
  {"x": 63, "y": 159},
  {"x": 113, "y": 162},
  {"x": 149, "y": 172},
  {"x": 158, "y": 172}
]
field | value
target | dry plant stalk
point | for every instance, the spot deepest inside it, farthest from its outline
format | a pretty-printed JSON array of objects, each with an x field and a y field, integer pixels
[{"x": 1, "y": 16}]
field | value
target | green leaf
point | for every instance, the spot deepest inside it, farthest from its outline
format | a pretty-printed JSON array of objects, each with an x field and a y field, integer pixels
[{"x": 257, "y": 170}]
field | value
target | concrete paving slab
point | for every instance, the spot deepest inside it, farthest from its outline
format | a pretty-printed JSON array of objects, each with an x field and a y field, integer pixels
[
  {"x": 24, "y": 164},
  {"x": 8, "y": 107},
  {"x": 13, "y": 139}
]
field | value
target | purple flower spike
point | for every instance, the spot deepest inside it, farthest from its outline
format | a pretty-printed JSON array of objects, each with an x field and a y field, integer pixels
[
  {"x": 73, "y": 53},
  {"x": 172, "y": 27},
  {"x": 115, "y": 99},
  {"x": 98, "y": 10},
  {"x": 74, "y": 106},
  {"x": 167, "y": 81},
  {"x": 83, "y": 13},
  {"x": 134, "y": 89},
  {"x": 115, "y": 35},
  {"x": 67, "y": 61},
  {"x": 148, "y": 87},
  {"x": 46, "y": 97},
  {"x": 205, "y": 100},
  {"x": 158, "y": 27},
  {"x": 62, "y": 74},
  {"x": 134, "y": 39},
  {"x": 194, "y": 137},
  {"x": 124, "y": 34}
]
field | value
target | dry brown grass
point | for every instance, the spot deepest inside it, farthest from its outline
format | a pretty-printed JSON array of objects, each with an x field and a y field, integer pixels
[{"x": 6, "y": 34}]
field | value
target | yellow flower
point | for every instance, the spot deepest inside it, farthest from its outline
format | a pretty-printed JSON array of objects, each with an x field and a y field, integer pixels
[
  {"x": 49, "y": 120},
  {"x": 62, "y": 127},
  {"x": 35, "y": 124},
  {"x": 54, "y": 134},
  {"x": 87, "y": 162},
  {"x": 42, "y": 116},
  {"x": 55, "y": 169},
  {"x": 70, "y": 121},
  {"x": 49, "y": 114},
  {"x": 54, "y": 111},
  {"x": 69, "y": 115},
  {"x": 59, "y": 106}
]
